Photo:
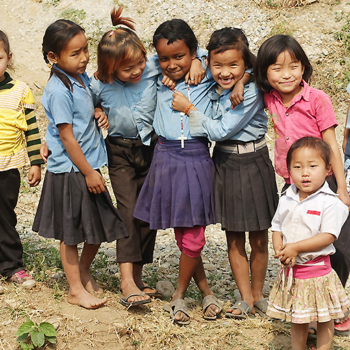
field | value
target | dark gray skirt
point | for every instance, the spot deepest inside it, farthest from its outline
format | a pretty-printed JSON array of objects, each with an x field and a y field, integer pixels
[
  {"x": 179, "y": 188},
  {"x": 68, "y": 212},
  {"x": 246, "y": 195}
]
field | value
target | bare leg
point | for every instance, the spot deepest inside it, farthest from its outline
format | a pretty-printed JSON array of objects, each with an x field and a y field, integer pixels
[
  {"x": 128, "y": 285},
  {"x": 87, "y": 256},
  {"x": 258, "y": 262},
  {"x": 325, "y": 331},
  {"x": 187, "y": 267},
  {"x": 137, "y": 273},
  {"x": 299, "y": 335},
  {"x": 77, "y": 293},
  {"x": 240, "y": 267},
  {"x": 202, "y": 283}
]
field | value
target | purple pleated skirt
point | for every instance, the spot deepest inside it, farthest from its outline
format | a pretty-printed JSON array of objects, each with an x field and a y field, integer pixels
[{"x": 179, "y": 188}]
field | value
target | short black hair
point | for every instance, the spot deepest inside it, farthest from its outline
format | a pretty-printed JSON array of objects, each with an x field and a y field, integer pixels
[
  {"x": 231, "y": 39},
  {"x": 310, "y": 142},
  {"x": 174, "y": 30},
  {"x": 268, "y": 53}
]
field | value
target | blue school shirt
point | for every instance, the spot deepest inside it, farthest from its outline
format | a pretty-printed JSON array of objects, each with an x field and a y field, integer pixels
[
  {"x": 76, "y": 108},
  {"x": 167, "y": 122},
  {"x": 130, "y": 107},
  {"x": 246, "y": 122}
]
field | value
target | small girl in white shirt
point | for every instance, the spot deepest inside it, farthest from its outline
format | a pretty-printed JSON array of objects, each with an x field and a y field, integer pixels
[{"x": 308, "y": 220}]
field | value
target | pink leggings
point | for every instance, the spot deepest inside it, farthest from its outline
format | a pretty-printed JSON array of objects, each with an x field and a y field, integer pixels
[{"x": 190, "y": 240}]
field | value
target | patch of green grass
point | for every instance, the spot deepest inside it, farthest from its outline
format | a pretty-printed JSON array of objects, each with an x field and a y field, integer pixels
[
  {"x": 74, "y": 15},
  {"x": 281, "y": 28}
]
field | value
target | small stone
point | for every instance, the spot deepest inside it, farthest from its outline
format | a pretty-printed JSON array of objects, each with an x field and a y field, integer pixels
[
  {"x": 209, "y": 267},
  {"x": 113, "y": 269},
  {"x": 166, "y": 288},
  {"x": 56, "y": 325},
  {"x": 111, "y": 252},
  {"x": 226, "y": 324},
  {"x": 222, "y": 291},
  {"x": 237, "y": 294},
  {"x": 55, "y": 276}
]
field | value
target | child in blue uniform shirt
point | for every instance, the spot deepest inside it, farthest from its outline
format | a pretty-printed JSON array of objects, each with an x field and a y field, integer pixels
[{"x": 74, "y": 206}]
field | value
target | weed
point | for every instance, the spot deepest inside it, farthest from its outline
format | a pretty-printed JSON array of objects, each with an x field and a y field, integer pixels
[
  {"x": 74, "y": 15},
  {"x": 38, "y": 334},
  {"x": 281, "y": 28}
]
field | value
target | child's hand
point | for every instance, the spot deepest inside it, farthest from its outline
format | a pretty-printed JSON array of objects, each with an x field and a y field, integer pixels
[
  {"x": 168, "y": 82},
  {"x": 44, "y": 152},
  {"x": 344, "y": 197},
  {"x": 236, "y": 96},
  {"x": 180, "y": 102},
  {"x": 288, "y": 253},
  {"x": 196, "y": 73},
  {"x": 101, "y": 119},
  {"x": 95, "y": 182},
  {"x": 34, "y": 175}
]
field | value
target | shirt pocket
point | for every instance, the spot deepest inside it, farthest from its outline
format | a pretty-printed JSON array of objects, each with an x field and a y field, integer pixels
[{"x": 148, "y": 98}]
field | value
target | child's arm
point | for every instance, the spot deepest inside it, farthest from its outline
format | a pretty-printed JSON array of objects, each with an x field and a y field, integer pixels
[
  {"x": 236, "y": 96},
  {"x": 289, "y": 251},
  {"x": 196, "y": 73},
  {"x": 277, "y": 241},
  {"x": 101, "y": 118},
  {"x": 94, "y": 180},
  {"x": 33, "y": 143},
  {"x": 346, "y": 130},
  {"x": 328, "y": 136}
]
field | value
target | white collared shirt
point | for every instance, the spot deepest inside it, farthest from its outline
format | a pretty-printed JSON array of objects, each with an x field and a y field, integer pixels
[{"x": 322, "y": 211}]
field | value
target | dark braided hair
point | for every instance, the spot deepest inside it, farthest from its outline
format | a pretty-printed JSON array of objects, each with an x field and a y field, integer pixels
[{"x": 56, "y": 38}]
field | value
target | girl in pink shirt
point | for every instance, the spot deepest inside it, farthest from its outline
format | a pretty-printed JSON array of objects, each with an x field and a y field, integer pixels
[{"x": 282, "y": 71}]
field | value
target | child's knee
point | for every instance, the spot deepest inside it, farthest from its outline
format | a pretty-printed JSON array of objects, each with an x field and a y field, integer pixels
[{"x": 193, "y": 241}]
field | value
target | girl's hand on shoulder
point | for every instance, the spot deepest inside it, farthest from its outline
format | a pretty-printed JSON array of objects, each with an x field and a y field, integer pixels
[
  {"x": 196, "y": 73},
  {"x": 288, "y": 253},
  {"x": 101, "y": 118},
  {"x": 44, "y": 152},
  {"x": 34, "y": 175},
  {"x": 180, "y": 102},
  {"x": 236, "y": 96},
  {"x": 95, "y": 182},
  {"x": 344, "y": 197},
  {"x": 168, "y": 82}
]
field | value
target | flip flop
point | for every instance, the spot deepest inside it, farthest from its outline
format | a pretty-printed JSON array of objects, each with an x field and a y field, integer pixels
[
  {"x": 154, "y": 294},
  {"x": 176, "y": 306},
  {"x": 312, "y": 336},
  {"x": 344, "y": 327},
  {"x": 246, "y": 311},
  {"x": 261, "y": 306},
  {"x": 127, "y": 303},
  {"x": 207, "y": 301}
]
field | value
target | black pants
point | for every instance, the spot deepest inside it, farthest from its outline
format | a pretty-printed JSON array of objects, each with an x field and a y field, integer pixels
[
  {"x": 340, "y": 260},
  {"x": 128, "y": 168},
  {"x": 11, "y": 250}
]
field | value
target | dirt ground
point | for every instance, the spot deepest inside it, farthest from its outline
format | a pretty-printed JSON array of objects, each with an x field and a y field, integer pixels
[{"x": 149, "y": 327}]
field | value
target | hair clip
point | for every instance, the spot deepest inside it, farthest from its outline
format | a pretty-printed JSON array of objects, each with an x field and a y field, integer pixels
[{"x": 111, "y": 33}]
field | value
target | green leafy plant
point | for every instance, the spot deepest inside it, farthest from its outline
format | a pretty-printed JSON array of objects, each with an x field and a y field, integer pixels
[{"x": 32, "y": 335}]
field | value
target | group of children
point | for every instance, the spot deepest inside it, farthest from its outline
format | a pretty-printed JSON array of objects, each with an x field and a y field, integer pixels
[{"x": 160, "y": 113}]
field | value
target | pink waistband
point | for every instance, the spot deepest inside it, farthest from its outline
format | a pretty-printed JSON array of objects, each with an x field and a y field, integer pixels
[{"x": 306, "y": 271}]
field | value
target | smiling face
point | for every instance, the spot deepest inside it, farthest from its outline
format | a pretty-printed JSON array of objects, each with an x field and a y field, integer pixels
[
  {"x": 4, "y": 61},
  {"x": 175, "y": 59},
  {"x": 308, "y": 170},
  {"x": 227, "y": 67},
  {"x": 130, "y": 70},
  {"x": 285, "y": 76},
  {"x": 74, "y": 58}
]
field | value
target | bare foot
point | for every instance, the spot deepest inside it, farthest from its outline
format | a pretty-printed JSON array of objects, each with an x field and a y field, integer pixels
[
  {"x": 89, "y": 283},
  {"x": 180, "y": 316},
  {"x": 131, "y": 288},
  {"x": 212, "y": 311},
  {"x": 85, "y": 299},
  {"x": 238, "y": 311}
]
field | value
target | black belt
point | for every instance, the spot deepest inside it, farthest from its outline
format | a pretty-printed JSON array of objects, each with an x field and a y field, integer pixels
[{"x": 121, "y": 141}]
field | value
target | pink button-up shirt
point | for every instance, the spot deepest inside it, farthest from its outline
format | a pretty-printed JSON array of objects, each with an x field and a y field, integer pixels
[{"x": 309, "y": 113}]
